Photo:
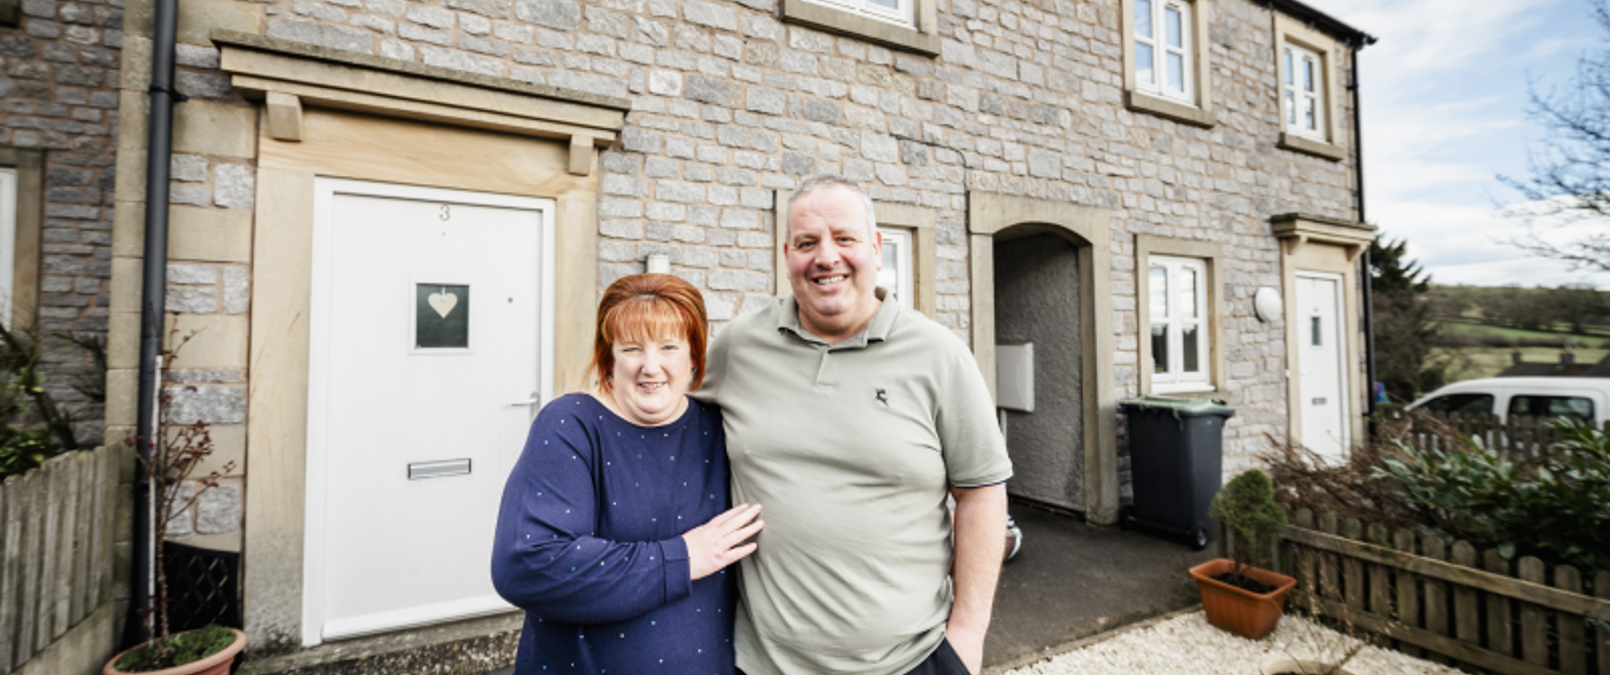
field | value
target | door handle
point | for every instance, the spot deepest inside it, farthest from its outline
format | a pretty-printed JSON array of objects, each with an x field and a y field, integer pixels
[{"x": 526, "y": 403}]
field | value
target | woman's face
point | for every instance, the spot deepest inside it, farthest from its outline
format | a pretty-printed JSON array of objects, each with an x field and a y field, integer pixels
[{"x": 650, "y": 379}]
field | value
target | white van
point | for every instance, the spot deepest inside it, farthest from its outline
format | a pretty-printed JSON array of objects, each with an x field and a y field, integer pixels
[{"x": 1582, "y": 398}]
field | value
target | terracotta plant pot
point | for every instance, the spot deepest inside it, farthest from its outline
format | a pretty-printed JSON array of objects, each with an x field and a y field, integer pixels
[
  {"x": 1250, "y": 615},
  {"x": 217, "y": 664}
]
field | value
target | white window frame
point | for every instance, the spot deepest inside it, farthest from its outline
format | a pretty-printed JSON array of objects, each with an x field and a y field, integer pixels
[
  {"x": 1174, "y": 321},
  {"x": 903, "y": 14},
  {"x": 8, "y": 242},
  {"x": 903, "y": 288},
  {"x": 1156, "y": 43},
  {"x": 1294, "y": 59}
]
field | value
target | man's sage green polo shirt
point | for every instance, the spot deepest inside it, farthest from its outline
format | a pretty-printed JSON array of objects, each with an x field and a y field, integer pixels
[{"x": 852, "y": 450}]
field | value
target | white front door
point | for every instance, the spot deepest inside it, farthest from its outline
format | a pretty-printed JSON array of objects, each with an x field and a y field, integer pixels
[
  {"x": 429, "y": 349},
  {"x": 1321, "y": 350}
]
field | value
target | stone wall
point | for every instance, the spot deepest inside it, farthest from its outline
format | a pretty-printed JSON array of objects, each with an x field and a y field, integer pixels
[
  {"x": 731, "y": 104},
  {"x": 58, "y": 91}
]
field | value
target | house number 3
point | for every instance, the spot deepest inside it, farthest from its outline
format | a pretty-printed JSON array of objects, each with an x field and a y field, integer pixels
[{"x": 447, "y": 213}]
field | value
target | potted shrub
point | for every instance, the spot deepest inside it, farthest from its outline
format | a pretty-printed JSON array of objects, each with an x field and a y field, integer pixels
[
  {"x": 1241, "y": 595},
  {"x": 169, "y": 462}
]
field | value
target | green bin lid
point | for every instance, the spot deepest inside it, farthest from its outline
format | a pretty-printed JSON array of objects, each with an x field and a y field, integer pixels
[{"x": 1195, "y": 406}]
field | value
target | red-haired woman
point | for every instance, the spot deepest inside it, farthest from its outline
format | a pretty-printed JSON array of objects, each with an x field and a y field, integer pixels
[{"x": 614, "y": 530}]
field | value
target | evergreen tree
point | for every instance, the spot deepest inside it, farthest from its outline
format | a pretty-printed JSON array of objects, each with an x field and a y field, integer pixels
[{"x": 1404, "y": 326}]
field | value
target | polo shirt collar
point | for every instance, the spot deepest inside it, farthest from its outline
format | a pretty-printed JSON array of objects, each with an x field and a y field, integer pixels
[{"x": 876, "y": 330}]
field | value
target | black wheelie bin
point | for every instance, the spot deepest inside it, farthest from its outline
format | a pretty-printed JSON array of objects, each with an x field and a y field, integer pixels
[{"x": 1176, "y": 457}]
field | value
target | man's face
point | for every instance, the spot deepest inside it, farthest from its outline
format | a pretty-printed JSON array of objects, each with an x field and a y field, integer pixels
[{"x": 833, "y": 261}]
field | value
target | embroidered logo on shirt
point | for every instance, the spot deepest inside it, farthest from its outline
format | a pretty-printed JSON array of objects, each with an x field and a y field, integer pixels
[{"x": 882, "y": 397}]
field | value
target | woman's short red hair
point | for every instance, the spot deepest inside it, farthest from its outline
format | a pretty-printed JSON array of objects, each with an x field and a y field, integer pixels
[{"x": 649, "y": 306}]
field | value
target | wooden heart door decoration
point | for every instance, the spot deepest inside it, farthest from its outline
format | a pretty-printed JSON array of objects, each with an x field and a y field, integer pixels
[{"x": 443, "y": 302}]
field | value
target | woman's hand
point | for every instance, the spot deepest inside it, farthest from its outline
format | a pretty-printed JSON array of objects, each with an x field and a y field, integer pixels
[{"x": 715, "y": 544}]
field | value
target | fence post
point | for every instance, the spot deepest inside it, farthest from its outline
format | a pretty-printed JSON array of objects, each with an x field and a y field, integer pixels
[
  {"x": 1408, "y": 609},
  {"x": 1500, "y": 634},
  {"x": 1330, "y": 576},
  {"x": 1353, "y": 568},
  {"x": 1466, "y": 612},
  {"x": 1436, "y": 592},
  {"x": 1380, "y": 591},
  {"x": 1534, "y": 635},
  {"x": 1573, "y": 648}
]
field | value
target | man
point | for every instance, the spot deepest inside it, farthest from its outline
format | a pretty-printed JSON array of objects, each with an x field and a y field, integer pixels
[{"x": 850, "y": 419}]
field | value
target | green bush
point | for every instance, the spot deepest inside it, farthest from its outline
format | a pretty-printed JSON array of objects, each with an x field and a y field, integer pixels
[
  {"x": 1556, "y": 508},
  {"x": 1246, "y": 505},
  {"x": 36, "y": 428}
]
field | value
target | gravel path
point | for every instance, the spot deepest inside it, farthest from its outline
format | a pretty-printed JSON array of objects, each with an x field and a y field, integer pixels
[{"x": 1188, "y": 645}]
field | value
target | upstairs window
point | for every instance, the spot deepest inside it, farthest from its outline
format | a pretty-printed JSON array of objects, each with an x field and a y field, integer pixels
[
  {"x": 1177, "y": 307},
  {"x": 898, "y": 12},
  {"x": 1302, "y": 89},
  {"x": 1163, "y": 63}
]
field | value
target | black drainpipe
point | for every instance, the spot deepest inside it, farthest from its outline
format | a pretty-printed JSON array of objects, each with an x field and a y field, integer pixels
[
  {"x": 159, "y": 151},
  {"x": 1364, "y": 260}
]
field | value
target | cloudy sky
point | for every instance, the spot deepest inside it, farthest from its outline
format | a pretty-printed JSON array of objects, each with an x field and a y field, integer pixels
[{"x": 1445, "y": 101}]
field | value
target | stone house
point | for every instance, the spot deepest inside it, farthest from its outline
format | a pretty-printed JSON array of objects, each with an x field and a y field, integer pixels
[
  {"x": 391, "y": 221},
  {"x": 57, "y": 155}
]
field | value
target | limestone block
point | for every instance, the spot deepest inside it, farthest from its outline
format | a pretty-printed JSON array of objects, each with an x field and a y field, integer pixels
[
  {"x": 189, "y": 168},
  {"x": 215, "y": 340},
  {"x": 123, "y": 340},
  {"x": 120, "y": 400},
  {"x": 556, "y": 14},
  {"x": 237, "y": 292},
  {"x": 192, "y": 300},
  {"x": 192, "y": 274},
  {"x": 213, "y": 128},
  {"x": 212, "y": 404},
  {"x": 324, "y": 35},
  {"x": 233, "y": 186},
  {"x": 229, "y": 445},
  {"x": 126, "y": 277},
  {"x": 179, "y": 517},
  {"x": 197, "y": 18},
  {"x": 218, "y": 510},
  {"x": 216, "y": 235},
  {"x": 194, "y": 195}
]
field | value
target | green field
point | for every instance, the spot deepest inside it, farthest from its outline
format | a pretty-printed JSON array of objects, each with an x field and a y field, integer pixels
[{"x": 1476, "y": 331}]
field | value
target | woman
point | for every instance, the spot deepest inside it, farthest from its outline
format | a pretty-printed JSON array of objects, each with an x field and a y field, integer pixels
[{"x": 596, "y": 536}]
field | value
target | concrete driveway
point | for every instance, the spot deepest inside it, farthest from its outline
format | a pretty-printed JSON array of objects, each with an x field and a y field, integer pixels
[{"x": 1073, "y": 580}]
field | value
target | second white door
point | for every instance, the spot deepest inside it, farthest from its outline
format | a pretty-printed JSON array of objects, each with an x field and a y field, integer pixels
[{"x": 1321, "y": 349}]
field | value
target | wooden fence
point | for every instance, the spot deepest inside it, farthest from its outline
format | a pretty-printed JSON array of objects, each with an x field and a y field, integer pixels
[
  {"x": 57, "y": 525},
  {"x": 1516, "y": 437},
  {"x": 1452, "y": 604}
]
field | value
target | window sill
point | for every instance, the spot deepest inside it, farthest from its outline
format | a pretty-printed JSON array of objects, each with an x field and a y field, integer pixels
[
  {"x": 1290, "y": 141},
  {"x": 1162, "y": 107},
  {"x": 872, "y": 30},
  {"x": 1193, "y": 390}
]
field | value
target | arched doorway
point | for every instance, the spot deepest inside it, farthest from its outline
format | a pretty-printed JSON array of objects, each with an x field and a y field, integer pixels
[{"x": 1055, "y": 271}]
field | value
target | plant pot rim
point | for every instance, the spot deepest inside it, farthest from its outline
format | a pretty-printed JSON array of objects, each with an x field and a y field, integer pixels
[
  {"x": 223, "y": 656},
  {"x": 1283, "y": 584}
]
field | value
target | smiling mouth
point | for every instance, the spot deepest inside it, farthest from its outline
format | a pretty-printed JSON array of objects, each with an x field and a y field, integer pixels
[
  {"x": 824, "y": 281},
  {"x": 651, "y": 386}
]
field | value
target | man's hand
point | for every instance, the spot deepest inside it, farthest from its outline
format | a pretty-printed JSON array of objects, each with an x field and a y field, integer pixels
[
  {"x": 975, "y": 568},
  {"x": 715, "y": 544}
]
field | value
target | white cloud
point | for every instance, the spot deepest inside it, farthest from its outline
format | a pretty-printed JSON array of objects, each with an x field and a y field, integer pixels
[{"x": 1462, "y": 244}]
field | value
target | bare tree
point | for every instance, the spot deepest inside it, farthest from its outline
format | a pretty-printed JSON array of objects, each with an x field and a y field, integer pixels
[{"x": 1569, "y": 176}]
